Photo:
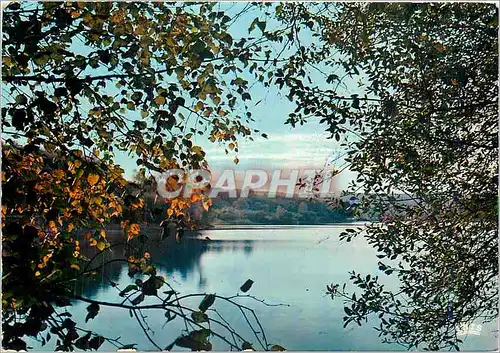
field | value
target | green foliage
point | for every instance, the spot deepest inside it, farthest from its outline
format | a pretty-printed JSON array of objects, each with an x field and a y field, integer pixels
[
  {"x": 87, "y": 79},
  {"x": 83, "y": 81},
  {"x": 207, "y": 302},
  {"x": 256, "y": 210},
  {"x": 245, "y": 287},
  {"x": 422, "y": 124}
]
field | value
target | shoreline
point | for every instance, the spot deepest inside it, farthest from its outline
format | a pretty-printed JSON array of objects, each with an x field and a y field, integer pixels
[{"x": 283, "y": 226}]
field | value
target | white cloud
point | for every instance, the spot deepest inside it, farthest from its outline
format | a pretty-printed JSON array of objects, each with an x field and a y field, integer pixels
[{"x": 290, "y": 149}]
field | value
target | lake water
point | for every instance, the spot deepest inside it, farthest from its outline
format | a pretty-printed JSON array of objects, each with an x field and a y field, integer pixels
[{"x": 289, "y": 265}]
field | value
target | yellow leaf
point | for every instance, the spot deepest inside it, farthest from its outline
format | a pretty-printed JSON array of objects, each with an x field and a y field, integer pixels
[
  {"x": 160, "y": 100},
  {"x": 196, "y": 150},
  {"x": 170, "y": 212},
  {"x": 93, "y": 242},
  {"x": 7, "y": 60},
  {"x": 96, "y": 200},
  {"x": 103, "y": 233},
  {"x": 75, "y": 266},
  {"x": 236, "y": 160},
  {"x": 133, "y": 230},
  {"x": 37, "y": 273},
  {"x": 93, "y": 179},
  {"x": 207, "y": 204},
  {"x": 101, "y": 246},
  {"x": 231, "y": 146},
  {"x": 199, "y": 106},
  {"x": 70, "y": 227}
]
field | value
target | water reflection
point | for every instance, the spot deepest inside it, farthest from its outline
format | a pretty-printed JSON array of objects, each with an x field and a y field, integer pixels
[
  {"x": 169, "y": 256},
  {"x": 290, "y": 266}
]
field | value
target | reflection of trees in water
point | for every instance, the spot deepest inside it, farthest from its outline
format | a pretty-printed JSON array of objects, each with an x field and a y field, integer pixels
[
  {"x": 248, "y": 247},
  {"x": 169, "y": 257}
]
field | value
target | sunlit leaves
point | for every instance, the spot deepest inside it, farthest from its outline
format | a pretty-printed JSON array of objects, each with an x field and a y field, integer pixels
[{"x": 92, "y": 179}]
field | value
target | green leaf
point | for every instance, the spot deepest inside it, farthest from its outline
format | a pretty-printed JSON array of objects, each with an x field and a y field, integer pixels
[
  {"x": 199, "y": 316},
  {"x": 83, "y": 342},
  {"x": 169, "y": 316},
  {"x": 246, "y": 286},
  {"x": 96, "y": 342},
  {"x": 277, "y": 348},
  {"x": 207, "y": 302},
  {"x": 127, "y": 289},
  {"x": 140, "y": 125},
  {"x": 136, "y": 97},
  {"x": 21, "y": 99},
  {"x": 151, "y": 286},
  {"x": 92, "y": 311},
  {"x": 261, "y": 25},
  {"x": 138, "y": 299},
  {"x": 355, "y": 101},
  {"x": 129, "y": 346},
  {"x": 196, "y": 340},
  {"x": 246, "y": 345}
]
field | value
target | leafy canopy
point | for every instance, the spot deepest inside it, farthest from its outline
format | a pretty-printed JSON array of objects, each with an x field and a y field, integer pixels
[{"x": 422, "y": 134}]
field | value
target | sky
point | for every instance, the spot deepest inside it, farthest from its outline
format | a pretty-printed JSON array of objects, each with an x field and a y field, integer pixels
[{"x": 302, "y": 147}]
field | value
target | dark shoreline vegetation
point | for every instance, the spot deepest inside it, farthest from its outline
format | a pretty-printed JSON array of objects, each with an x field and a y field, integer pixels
[
  {"x": 405, "y": 93},
  {"x": 257, "y": 210}
]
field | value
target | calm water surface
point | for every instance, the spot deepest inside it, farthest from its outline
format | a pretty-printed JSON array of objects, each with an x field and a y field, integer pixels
[{"x": 289, "y": 265}]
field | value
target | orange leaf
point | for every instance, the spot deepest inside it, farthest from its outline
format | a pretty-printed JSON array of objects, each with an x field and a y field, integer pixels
[
  {"x": 93, "y": 179},
  {"x": 58, "y": 174},
  {"x": 195, "y": 197},
  {"x": 207, "y": 204}
]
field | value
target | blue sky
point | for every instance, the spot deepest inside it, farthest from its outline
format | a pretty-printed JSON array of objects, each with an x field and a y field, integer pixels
[{"x": 302, "y": 147}]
